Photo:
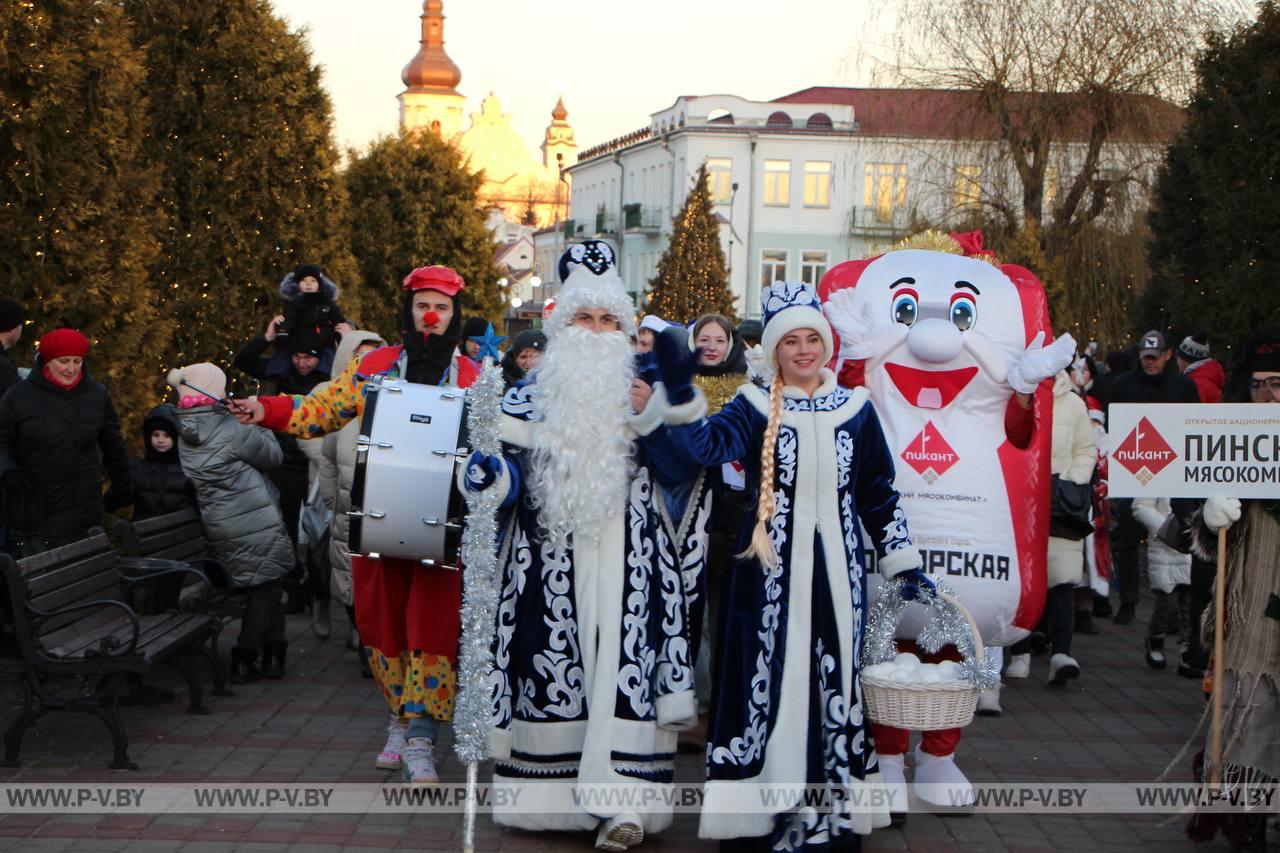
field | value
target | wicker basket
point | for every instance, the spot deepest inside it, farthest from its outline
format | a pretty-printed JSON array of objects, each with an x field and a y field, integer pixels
[{"x": 924, "y": 707}]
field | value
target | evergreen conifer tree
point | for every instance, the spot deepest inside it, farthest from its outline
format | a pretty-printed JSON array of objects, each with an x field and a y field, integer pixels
[
  {"x": 691, "y": 278},
  {"x": 1215, "y": 247},
  {"x": 413, "y": 203},
  {"x": 77, "y": 227},
  {"x": 241, "y": 130}
]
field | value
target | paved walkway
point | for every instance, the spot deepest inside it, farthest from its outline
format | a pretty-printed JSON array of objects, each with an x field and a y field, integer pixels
[{"x": 1120, "y": 721}]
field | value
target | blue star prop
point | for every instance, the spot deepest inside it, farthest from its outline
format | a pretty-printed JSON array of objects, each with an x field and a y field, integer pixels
[{"x": 488, "y": 343}]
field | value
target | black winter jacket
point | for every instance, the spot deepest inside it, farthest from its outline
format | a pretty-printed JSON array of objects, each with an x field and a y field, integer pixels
[
  {"x": 159, "y": 484},
  {"x": 1135, "y": 386},
  {"x": 8, "y": 372},
  {"x": 58, "y": 442}
]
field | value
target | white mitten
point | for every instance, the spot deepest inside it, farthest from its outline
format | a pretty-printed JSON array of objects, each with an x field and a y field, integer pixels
[
  {"x": 1221, "y": 511},
  {"x": 1039, "y": 362},
  {"x": 851, "y": 323}
]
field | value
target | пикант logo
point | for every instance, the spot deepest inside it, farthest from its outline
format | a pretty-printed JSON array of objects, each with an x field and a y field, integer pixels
[
  {"x": 1144, "y": 452},
  {"x": 929, "y": 454}
]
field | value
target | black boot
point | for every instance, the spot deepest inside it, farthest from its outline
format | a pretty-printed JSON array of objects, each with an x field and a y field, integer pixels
[
  {"x": 244, "y": 666},
  {"x": 1125, "y": 614},
  {"x": 1084, "y": 622},
  {"x": 273, "y": 652},
  {"x": 1101, "y": 606},
  {"x": 1155, "y": 653}
]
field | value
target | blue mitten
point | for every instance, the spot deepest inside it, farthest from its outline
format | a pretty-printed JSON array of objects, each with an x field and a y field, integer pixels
[
  {"x": 482, "y": 471},
  {"x": 913, "y": 580},
  {"x": 676, "y": 364}
]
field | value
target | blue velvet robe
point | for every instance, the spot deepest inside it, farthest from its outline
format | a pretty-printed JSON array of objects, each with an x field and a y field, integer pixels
[
  {"x": 788, "y": 703},
  {"x": 595, "y": 647}
]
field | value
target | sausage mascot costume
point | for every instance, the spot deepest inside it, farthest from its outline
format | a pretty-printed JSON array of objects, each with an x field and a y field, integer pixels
[{"x": 950, "y": 345}]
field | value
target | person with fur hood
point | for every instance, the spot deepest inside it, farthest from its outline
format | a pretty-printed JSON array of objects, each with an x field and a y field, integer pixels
[
  {"x": 228, "y": 463},
  {"x": 310, "y": 302}
]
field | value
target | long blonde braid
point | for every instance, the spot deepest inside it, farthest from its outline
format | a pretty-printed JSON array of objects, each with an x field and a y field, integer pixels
[{"x": 761, "y": 543}]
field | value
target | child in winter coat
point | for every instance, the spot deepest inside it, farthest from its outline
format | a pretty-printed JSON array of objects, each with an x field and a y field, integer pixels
[
  {"x": 310, "y": 302},
  {"x": 1170, "y": 574},
  {"x": 159, "y": 486},
  {"x": 240, "y": 508}
]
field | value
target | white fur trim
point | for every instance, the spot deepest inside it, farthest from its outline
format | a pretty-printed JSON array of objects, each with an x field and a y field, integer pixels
[
  {"x": 516, "y": 431},
  {"x": 687, "y": 413},
  {"x": 585, "y": 289},
  {"x": 898, "y": 562},
  {"x": 787, "y": 321},
  {"x": 502, "y": 484},
  {"x": 650, "y": 419},
  {"x": 677, "y": 712},
  {"x": 499, "y": 743}
]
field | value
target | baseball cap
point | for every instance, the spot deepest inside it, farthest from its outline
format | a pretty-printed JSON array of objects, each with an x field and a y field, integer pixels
[{"x": 1153, "y": 343}]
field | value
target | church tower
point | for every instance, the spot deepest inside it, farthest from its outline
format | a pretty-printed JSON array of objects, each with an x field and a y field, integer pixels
[
  {"x": 559, "y": 140},
  {"x": 430, "y": 99}
]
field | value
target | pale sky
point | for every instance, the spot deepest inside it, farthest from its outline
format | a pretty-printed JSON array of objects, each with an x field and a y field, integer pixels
[{"x": 614, "y": 63}]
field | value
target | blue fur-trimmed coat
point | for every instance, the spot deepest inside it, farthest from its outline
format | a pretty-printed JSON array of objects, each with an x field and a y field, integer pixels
[
  {"x": 788, "y": 705},
  {"x": 594, "y": 648}
]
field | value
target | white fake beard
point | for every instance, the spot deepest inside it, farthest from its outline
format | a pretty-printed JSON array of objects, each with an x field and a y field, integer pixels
[{"x": 582, "y": 463}]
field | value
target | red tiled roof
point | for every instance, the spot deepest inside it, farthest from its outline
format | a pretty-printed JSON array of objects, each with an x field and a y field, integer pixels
[{"x": 959, "y": 114}]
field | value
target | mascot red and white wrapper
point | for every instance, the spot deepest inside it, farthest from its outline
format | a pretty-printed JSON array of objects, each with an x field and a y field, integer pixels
[{"x": 942, "y": 336}]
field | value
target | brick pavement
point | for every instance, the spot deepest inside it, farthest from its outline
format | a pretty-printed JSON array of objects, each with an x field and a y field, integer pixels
[{"x": 1120, "y": 721}]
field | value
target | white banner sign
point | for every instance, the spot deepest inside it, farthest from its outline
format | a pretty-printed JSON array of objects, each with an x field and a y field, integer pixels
[{"x": 1194, "y": 450}]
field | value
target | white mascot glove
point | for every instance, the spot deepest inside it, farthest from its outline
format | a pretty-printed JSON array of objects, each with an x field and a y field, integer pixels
[
  {"x": 1039, "y": 362},
  {"x": 851, "y": 324},
  {"x": 1221, "y": 511}
]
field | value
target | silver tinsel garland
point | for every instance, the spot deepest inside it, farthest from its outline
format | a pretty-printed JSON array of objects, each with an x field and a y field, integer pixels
[
  {"x": 480, "y": 577},
  {"x": 946, "y": 626}
]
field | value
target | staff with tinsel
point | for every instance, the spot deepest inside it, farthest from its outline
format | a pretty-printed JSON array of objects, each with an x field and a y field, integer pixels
[{"x": 480, "y": 582}]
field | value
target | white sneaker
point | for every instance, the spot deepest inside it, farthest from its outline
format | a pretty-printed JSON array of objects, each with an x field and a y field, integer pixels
[
  {"x": 419, "y": 762},
  {"x": 390, "y": 757},
  {"x": 353, "y": 639},
  {"x": 620, "y": 832},
  {"x": 320, "y": 619},
  {"x": 989, "y": 703},
  {"x": 1019, "y": 666},
  {"x": 1062, "y": 668}
]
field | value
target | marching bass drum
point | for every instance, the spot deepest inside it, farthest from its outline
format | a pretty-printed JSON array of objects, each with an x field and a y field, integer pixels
[{"x": 404, "y": 501}]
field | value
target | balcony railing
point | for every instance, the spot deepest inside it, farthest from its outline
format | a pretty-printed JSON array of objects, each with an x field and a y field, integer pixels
[
  {"x": 638, "y": 217},
  {"x": 879, "y": 221}
]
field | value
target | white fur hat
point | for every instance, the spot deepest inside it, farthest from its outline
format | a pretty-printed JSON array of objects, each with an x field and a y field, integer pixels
[
  {"x": 592, "y": 282},
  {"x": 791, "y": 305}
]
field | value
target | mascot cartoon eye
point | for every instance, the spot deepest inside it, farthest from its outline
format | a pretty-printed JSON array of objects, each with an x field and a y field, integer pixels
[
  {"x": 906, "y": 306},
  {"x": 964, "y": 312}
]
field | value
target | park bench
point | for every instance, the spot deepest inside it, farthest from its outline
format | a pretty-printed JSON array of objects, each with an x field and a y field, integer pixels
[{"x": 78, "y": 638}]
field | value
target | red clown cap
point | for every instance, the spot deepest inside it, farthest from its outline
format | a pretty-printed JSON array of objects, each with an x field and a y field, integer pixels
[
  {"x": 62, "y": 342},
  {"x": 434, "y": 277}
]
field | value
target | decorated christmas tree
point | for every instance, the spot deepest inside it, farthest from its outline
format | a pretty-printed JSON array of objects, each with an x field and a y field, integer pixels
[
  {"x": 241, "y": 131},
  {"x": 77, "y": 192},
  {"x": 691, "y": 278},
  {"x": 413, "y": 203}
]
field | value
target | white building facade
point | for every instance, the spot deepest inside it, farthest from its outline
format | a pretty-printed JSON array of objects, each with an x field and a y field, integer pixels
[{"x": 800, "y": 183}]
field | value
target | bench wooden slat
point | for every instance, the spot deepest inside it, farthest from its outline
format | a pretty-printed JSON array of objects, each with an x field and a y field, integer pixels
[
  {"x": 58, "y": 631},
  {"x": 45, "y": 580}
]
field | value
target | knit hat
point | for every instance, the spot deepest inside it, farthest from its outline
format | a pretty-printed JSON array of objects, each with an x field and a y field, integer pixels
[
  {"x": 1263, "y": 356},
  {"x": 474, "y": 327},
  {"x": 1194, "y": 347},
  {"x": 591, "y": 280},
  {"x": 303, "y": 270},
  {"x": 309, "y": 342},
  {"x": 434, "y": 277},
  {"x": 203, "y": 379},
  {"x": 62, "y": 342},
  {"x": 791, "y": 305},
  {"x": 11, "y": 315},
  {"x": 751, "y": 329}
]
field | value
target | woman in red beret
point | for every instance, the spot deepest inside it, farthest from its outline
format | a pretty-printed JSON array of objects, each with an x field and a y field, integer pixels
[{"x": 58, "y": 429}]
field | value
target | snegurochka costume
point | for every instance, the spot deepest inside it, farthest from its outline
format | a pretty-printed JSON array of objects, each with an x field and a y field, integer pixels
[
  {"x": 408, "y": 614},
  {"x": 788, "y": 704}
]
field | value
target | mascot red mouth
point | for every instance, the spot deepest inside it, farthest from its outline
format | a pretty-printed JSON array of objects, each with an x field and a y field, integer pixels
[{"x": 929, "y": 389}]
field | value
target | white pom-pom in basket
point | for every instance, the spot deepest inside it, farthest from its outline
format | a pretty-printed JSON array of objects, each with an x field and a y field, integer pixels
[{"x": 921, "y": 706}]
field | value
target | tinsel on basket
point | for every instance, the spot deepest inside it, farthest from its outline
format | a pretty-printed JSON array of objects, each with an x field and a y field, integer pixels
[
  {"x": 480, "y": 577},
  {"x": 946, "y": 626}
]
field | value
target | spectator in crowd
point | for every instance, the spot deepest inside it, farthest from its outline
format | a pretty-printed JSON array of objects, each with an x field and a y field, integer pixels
[
  {"x": 751, "y": 332},
  {"x": 474, "y": 327},
  {"x": 1206, "y": 372},
  {"x": 159, "y": 485},
  {"x": 310, "y": 302},
  {"x": 524, "y": 354},
  {"x": 1074, "y": 457},
  {"x": 1169, "y": 572},
  {"x": 228, "y": 463},
  {"x": 58, "y": 430},
  {"x": 722, "y": 367},
  {"x": 1154, "y": 381},
  {"x": 1116, "y": 363},
  {"x": 11, "y": 319},
  {"x": 1249, "y": 672},
  {"x": 650, "y": 325}
]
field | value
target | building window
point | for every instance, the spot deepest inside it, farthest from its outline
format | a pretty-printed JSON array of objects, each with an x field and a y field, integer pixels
[
  {"x": 773, "y": 266},
  {"x": 817, "y": 183},
  {"x": 777, "y": 182},
  {"x": 819, "y": 121},
  {"x": 813, "y": 266},
  {"x": 968, "y": 187},
  {"x": 885, "y": 189},
  {"x": 778, "y": 119},
  {"x": 720, "y": 179}
]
